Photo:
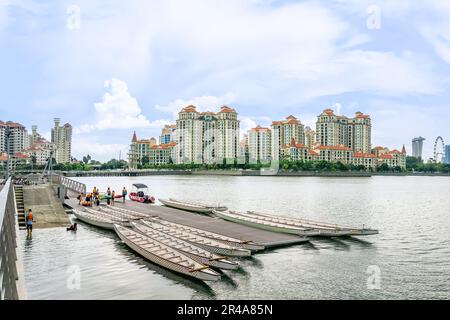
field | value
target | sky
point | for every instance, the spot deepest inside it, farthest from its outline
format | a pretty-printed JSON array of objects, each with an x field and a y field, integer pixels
[{"x": 112, "y": 67}]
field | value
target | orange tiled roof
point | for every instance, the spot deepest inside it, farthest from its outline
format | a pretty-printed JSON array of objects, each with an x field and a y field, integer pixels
[
  {"x": 189, "y": 108},
  {"x": 386, "y": 156},
  {"x": 363, "y": 155},
  {"x": 294, "y": 144},
  {"x": 227, "y": 109},
  {"x": 164, "y": 146},
  {"x": 13, "y": 124},
  {"x": 360, "y": 115},
  {"x": 338, "y": 147},
  {"x": 259, "y": 128},
  {"x": 313, "y": 153},
  {"x": 329, "y": 112},
  {"x": 21, "y": 155}
]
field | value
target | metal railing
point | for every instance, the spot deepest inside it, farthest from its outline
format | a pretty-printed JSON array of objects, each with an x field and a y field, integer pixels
[
  {"x": 72, "y": 184},
  {"x": 10, "y": 288}
]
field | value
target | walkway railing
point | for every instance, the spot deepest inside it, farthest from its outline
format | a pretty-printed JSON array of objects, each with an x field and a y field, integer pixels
[
  {"x": 10, "y": 286},
  {"x": 73, "y": 185}
]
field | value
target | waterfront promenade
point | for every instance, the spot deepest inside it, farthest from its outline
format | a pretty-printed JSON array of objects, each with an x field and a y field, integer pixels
[{"x": 48, "y": 210}]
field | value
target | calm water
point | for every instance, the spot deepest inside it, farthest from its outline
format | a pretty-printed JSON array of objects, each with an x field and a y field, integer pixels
[{"x": 412, "y": 252}]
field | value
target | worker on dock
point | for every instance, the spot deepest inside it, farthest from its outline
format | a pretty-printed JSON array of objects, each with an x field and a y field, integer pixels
[
  {"x": 124, "y": 194},
  {"x": 73, "y": 227},
  {"x": 108, "y": 196},
  {"x": 29, "y": 220},
  {"x": 80, "y": 198},
  {"x": 113, "y": 197}
]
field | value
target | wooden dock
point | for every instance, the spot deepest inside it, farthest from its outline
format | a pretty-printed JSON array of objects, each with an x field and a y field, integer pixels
[{"x": 217, "y": 225}]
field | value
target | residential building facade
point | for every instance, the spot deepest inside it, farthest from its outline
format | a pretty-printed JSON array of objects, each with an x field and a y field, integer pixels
[
  {"x": 40, "y": 152},
  {"x": 259, "y": 145},
  {"x": 310, "y": 138},
  {"x": 282, "y": 134},
  {"x": 207, "y": 137},
  {"x": 168, "y": 134},
  {"x": 354, "y": 133},
  {"x": 18, "y": 137},
  {"x": 161, "y": 154},
  {"x": 139, "y": 149},
  {"x": 62, "y": 139}
]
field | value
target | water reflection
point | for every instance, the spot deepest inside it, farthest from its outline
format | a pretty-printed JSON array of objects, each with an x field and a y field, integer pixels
[{"x": 412, "y": 250}]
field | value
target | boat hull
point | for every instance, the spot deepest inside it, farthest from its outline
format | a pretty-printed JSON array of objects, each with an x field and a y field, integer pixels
[
  {"x": 181, "y": 206},
  {"x": 165, "y": 263},
  {"x": 326, "y": 230},
  {"x": 266, "y": 227},
  {"x": 196, "y": 253},
  {"x": 100, "y": 224},
  {"x": 136, "y": 198},
  {"x": 221, "y": 249}
]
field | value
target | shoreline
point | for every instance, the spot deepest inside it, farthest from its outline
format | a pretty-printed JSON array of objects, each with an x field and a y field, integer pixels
[{"x": 249, "y": 173}]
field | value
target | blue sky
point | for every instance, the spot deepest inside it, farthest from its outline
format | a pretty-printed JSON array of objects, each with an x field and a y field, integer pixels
[{"x": 109, "y": 67}]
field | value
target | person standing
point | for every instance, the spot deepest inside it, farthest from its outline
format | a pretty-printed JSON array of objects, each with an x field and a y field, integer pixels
[
  {"x": 108, "y": 196},
  {"x": 29, "y": 220},
  {"x": 113, "y": 197},
  {"x": 124, "y": 194}
]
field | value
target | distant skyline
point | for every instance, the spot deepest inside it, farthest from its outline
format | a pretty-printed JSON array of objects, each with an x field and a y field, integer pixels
[{"x": 111, "y": 67}]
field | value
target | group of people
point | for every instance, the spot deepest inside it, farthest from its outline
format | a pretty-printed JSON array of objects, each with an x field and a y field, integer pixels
[{"x": 94, "y": 197}]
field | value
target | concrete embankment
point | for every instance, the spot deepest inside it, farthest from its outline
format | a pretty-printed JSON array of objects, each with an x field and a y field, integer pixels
[{"x": 48, "y": 210}]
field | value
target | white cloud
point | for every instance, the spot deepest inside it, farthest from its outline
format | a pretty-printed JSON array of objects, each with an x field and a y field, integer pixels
[
  {"x": 247, "y": 124},
  {"x": 118, "y": 110},
  {"x": 98, "y": 151},
  {"x": 261, "y": 52},
  {"x": 204, "y": 103}
]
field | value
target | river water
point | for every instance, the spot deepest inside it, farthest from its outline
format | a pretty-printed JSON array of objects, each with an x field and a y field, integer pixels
[{"x": 409, "y": 259}]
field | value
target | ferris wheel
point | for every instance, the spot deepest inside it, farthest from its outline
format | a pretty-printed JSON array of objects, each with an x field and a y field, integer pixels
[{"x": 439, "y": 147}]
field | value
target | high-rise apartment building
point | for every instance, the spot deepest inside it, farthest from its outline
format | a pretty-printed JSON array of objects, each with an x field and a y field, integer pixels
[
  {"x": 283, "y": 132},
  {"x": 207, "y": 137},
  {"x": 18, "y": 138},
  {"x": 259, "y": 145},
  {"x": 417, "y": 147},
  {"x": 168, "y": 134},
  {"x": 310, "y": 138},
  {"x": 354, "y": 133},
  {"x": 62, "y": 139}
]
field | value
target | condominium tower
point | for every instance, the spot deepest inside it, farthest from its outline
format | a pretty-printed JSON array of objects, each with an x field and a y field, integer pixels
[
  {"x": 283, "y": 132},
  {"x": 62, "y": 139},
  {"x": 259, "y": 145},
  {"x": 354, "y": 133},
  {"x": 207, "y": 137},
  {"x": 18, "y": 138}
]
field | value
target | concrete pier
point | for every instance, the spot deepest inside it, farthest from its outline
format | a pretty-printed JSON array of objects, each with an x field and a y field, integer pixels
[
  {"x": 217, "y": 225},
  {"x": 48, "y": 210}
]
